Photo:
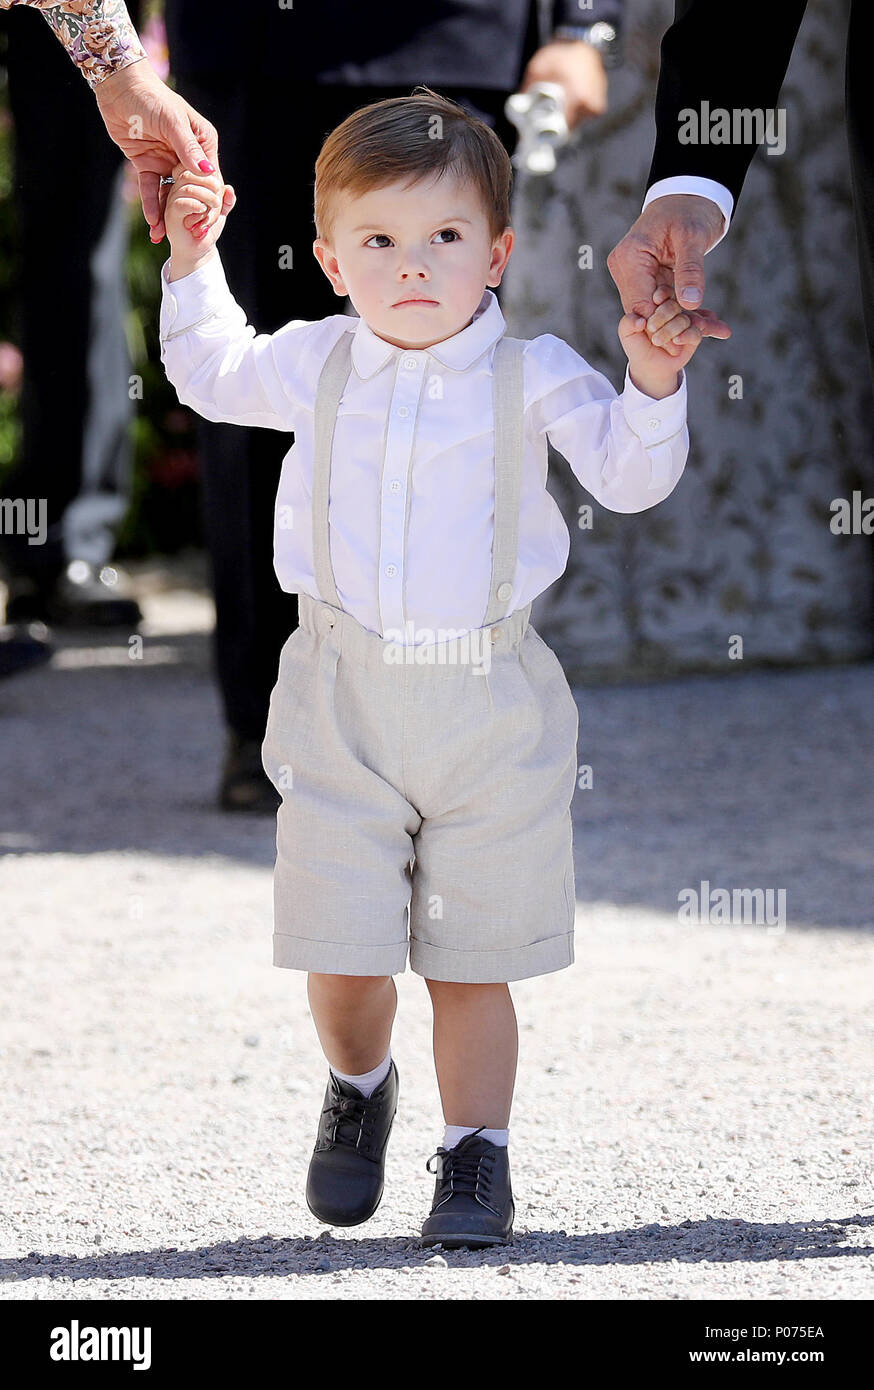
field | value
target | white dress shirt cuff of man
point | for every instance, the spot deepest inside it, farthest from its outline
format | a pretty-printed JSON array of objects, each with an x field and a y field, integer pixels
[{"x": 705, "y": 188}]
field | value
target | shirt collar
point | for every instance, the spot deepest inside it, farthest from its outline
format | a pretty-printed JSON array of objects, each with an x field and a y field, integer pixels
[{"x": 370, "y": 352}]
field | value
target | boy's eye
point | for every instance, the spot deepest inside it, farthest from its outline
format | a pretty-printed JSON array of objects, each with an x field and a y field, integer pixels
[{"x": 384, "y": 238}]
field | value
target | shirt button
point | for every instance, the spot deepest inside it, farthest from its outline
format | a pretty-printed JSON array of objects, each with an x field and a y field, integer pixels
[
  {"x": 391, "y": 571},
  {"x": 410, "y": 363},
  {"x": 504, "y": 591},
  {"x": 653, "y": 423},
  {"x": 395, "y": 485},
  {"x": 403, "y": 412}
]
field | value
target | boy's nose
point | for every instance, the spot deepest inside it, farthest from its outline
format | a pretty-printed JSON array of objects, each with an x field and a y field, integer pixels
[{"x": 414, "y": 264}]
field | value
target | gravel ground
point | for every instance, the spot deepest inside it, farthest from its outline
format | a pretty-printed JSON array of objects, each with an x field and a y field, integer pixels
[{"x": 693, "y": 1115}]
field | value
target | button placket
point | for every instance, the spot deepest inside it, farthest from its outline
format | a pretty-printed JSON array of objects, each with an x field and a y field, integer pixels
[{"x": 400, "y": 432}]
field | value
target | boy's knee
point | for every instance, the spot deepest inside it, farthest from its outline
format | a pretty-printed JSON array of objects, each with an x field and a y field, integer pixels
[
  {"x": 349, "y": 986},
  {"x": 457, "y": 989}
]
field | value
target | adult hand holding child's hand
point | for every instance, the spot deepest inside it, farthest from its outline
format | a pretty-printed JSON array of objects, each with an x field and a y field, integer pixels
[
  {"x": 658, "y": 347},
  {"x": 195, "y": 214}
]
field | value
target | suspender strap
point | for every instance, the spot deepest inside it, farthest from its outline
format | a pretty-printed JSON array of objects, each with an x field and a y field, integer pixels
[
  {"x": 332, "y": 380},
  {"x": 508, "y": 407},
  {"x": 509, "y": 415}
]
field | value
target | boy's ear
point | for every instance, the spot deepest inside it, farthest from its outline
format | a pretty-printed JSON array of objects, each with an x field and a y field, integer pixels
[
  {"x": 326, "y": 258},
  {"x": 501, "y": 251}
]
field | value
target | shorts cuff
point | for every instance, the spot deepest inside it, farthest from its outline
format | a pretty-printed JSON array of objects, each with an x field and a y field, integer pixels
[
  {"x": 339, "y": 957},
  {"x": 492, "y": 967}
]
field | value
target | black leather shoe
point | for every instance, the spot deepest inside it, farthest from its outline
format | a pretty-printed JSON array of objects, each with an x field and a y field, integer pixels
[
  {"x": 245, "y": 785},
  {"x": 19, "y": 652},
  {"x": 345, "y": 1179},
  {"x": 81, "y": 596},
  {"x": 473, "y": 1200}
]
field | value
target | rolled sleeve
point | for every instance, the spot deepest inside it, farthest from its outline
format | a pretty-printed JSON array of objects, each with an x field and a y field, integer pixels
[
  {"x": 218, "y": 364},
  {"x": 194, "y": 299}
]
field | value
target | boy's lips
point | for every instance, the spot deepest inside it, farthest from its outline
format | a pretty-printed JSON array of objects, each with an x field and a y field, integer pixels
[{"x": 414, "y": 299}]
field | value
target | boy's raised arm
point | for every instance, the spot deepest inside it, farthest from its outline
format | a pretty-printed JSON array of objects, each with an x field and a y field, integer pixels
[{"x": 219, "y": 365}]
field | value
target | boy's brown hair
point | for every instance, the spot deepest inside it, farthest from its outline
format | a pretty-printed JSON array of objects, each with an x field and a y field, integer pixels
[{"x": 411, "y": 138}]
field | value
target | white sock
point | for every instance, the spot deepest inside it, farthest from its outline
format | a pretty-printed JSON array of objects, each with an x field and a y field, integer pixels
[
  {"x": 368, "y": 1081},
  {"x": 452, "y": 1134}
]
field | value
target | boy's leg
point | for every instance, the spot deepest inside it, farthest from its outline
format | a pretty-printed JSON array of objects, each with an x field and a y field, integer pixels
[
  {"x": 353, "y": 1015},
  {"x": 475, "y": 1051}
]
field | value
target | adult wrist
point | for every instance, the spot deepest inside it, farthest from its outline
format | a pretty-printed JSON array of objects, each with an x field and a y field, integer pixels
[
  {"x": 693, "y": 185},
  {"x": 135, "y": 69}
]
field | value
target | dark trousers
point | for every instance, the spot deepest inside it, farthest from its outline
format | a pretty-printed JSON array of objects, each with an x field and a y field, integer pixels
[
  {"x": 71, "y": 292},
  {"x": 860, "y": 137},
  {"x": 269, "y": 142}
]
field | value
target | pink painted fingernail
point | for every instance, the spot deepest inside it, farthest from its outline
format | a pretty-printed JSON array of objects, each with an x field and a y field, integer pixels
[{"x": 205, "y": 167}]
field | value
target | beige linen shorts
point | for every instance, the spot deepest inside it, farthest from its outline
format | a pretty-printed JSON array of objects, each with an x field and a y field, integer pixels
[{"x": 429, "y": 791}]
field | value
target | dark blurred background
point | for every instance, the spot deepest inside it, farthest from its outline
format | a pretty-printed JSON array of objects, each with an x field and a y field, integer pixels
[{"x": 164, "y": 515}]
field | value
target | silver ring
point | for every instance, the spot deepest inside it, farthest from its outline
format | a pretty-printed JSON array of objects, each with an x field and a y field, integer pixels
[{"x": 168, "y": 179}]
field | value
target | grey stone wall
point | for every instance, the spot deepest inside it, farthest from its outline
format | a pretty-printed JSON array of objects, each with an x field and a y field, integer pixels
[{"x": 743, "y": 547}]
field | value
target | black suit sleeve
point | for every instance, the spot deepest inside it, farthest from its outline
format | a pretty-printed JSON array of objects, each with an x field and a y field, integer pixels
[{"x": 709, "y": 55}]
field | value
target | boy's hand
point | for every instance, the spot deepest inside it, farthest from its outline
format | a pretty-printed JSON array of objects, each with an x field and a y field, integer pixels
[
  {"x": 658, "y": 347},
  {"x": 195, "y": 214}
]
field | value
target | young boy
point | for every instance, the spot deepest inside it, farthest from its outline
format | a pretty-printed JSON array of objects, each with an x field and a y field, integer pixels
[{"x": 421, "y": 733}]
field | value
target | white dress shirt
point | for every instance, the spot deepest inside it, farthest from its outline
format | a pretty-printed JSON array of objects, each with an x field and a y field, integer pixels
[
  {"x": 412, "y": 473},
  {"x": 691, "y": 183}
]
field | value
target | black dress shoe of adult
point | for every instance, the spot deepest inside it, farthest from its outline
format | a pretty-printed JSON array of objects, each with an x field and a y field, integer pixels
[
  {"x": 80, "y": 596},
  {"x": 245, "y": 785},
  {"x": 87, "y": 597},
  {"x": 345, "y": 1179},
  {"x": 473, "y": 1200},
  {"x": 20, "y": 653}
]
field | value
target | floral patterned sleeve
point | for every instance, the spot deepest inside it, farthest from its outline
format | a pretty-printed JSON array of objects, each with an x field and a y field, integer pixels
[{"x": 97, "y": 34}]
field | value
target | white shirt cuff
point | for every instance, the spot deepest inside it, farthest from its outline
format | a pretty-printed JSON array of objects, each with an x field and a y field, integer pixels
[
  {"x": 187, "y": 302},
  {"x": 705, "y": 188},
  {"x": 654, "y": 421}
]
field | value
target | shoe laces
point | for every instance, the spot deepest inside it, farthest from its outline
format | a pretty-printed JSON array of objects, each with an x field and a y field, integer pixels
[
  {"x": 463, "y": 1169},
  {"x": 352, "y": 1119}
]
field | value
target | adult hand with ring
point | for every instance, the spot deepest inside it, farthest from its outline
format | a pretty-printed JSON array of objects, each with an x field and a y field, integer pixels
[
  {"x": 152, "y": 125},
  {"x": 156, "y": 129}
]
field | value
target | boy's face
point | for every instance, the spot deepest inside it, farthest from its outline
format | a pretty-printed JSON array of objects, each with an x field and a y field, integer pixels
[{"x": 414, "y": 259}]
